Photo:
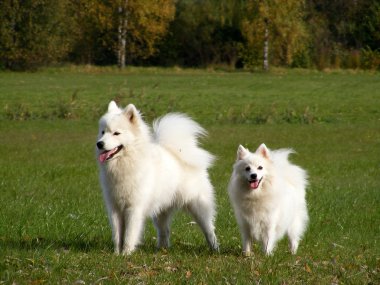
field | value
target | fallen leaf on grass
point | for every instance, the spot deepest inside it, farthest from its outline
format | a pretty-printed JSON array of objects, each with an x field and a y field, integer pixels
[
  {"x": 37, "y": 282},
  {"x": 188, "y": 274},
  {"x": 307, "y": 268}
]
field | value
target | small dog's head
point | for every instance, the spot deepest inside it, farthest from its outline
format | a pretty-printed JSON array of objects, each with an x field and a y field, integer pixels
[
  {"x": 253, "y": 167},
  {"x": 118, "y": 129}
]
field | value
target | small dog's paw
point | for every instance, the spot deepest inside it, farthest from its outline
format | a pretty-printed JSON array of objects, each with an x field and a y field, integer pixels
[
  {"x": 293, "y": 251},
  {"x": 294, "y": 247},
  {"x": 247, "y": 254}
]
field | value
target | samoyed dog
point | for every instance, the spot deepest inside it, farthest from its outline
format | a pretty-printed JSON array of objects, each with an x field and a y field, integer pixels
[
  {"x": 145, "y": 173},
  {"x": 267, "y": 193}
]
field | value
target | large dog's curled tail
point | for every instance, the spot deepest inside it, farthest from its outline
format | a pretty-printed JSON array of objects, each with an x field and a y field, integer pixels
[{"x": 179, "y": 134}]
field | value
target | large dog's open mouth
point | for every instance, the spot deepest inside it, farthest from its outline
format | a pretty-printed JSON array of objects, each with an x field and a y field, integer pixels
[
  {"x": 254, "y": 184},
  {"x": 108, "y": 154}
]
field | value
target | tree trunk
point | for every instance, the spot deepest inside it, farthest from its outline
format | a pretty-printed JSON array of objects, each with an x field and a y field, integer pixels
[
  {"x": 122, "y": 34},
  {"x": 266, "y": 46}
]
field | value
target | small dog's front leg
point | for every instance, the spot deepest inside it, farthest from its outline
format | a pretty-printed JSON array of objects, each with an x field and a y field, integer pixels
[
  {"x": 270, "y": 241},
  {"x": 246, "y": 240}
]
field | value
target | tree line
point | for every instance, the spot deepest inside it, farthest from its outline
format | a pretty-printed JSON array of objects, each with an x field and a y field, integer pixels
[{"x": 191, "y": 33}]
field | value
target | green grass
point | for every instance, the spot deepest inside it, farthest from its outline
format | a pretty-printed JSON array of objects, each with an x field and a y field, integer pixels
[{"x": 53, "y": 225}]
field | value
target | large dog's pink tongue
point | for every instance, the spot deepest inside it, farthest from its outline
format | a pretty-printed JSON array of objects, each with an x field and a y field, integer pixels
[
  {"x": 107, "y": 154},
  {"x": 254, "y": 184}
]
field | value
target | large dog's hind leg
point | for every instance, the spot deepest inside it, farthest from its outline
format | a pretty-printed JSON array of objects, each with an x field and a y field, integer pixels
[
  {"x": 203, "y": 212},
  {"x": 162, "y": 223}
]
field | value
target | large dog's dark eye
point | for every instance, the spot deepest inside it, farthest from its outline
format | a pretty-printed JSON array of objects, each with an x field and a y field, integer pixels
[
  {"x": 102, "y": 132},
  {"x": 247, "y": 168},
  {"x": 116, "y": 133},
  {"x": 260, "y": 168}
]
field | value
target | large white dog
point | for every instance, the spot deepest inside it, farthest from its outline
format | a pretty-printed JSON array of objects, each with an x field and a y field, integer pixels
[
  {"x": 268, "y": 196},
  {"x": 146, "y": 173}
]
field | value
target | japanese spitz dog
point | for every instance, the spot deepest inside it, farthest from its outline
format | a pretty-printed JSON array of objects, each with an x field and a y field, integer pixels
[
  {"x": 145, "y": 173},
  {"x": 267, "y": 193}
]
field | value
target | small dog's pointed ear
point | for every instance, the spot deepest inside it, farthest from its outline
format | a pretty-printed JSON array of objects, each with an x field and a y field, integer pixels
[
  {"x": 112, "y": 107},
  {"x": 131, "y": 113},
  {"x": 241, "y": 152},
  {"x": 263, "y": 150}
]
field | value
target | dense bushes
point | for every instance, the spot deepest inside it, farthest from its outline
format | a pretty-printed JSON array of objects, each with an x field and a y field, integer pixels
[{"x": 228, "y": 33}]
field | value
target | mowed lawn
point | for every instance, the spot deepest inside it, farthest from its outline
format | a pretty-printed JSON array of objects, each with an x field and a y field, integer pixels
[{"x": 53, "y": 225}]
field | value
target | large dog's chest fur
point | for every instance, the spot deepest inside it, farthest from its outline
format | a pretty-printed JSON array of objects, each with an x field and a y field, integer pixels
[{"x": 122, "y": 185}]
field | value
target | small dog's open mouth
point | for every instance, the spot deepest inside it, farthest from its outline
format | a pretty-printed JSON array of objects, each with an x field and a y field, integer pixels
[
  {"x": 108, "y": 154},
  {"x": 254, "y": 184}
]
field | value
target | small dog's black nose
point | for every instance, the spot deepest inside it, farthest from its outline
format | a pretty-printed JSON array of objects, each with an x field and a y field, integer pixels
[
  {"x": 253, "y": 176},
  {"x": 100, "y": 144}
]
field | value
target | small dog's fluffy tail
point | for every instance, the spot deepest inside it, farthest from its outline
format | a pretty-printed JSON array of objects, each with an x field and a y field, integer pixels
[
  {"x": 179, "y": 134},
  {"x": 293, "y": 173}
]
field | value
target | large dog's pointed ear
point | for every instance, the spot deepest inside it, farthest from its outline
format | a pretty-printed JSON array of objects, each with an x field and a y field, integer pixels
[
  {"x": 263, "y": 151},
  {"x": 241, "y": 152},
  {"x": 112, "y": 107},
  {"x": 131, "y": 113}
]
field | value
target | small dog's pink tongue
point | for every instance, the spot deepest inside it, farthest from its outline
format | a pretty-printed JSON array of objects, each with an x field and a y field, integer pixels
[
  {"x": 254, "y": 184},
  {"x": 105, "y": 155}
]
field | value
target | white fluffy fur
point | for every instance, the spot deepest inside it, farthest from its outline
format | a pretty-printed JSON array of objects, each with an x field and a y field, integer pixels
[
  {"x": 153, "y": 175},
  {"x": 277, "y": 206}
]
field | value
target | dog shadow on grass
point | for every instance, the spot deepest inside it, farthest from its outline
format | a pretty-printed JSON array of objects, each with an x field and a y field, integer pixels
[
  {"x": 42, "y": 243},
  {"x": 102, "y": 244}
]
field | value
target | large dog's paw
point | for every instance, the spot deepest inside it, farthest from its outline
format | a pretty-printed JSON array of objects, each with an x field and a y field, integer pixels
[{"x": 128, "y": 251}]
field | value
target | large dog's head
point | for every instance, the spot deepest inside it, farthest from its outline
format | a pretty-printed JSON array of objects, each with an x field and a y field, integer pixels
[
  {"x": 253, "y": 167},
  {"x": 119, "y": 130}
]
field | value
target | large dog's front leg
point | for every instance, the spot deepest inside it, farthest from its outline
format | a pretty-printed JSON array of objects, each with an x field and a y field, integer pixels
[
  {"x": 118, "y": 230},
  {"x": 134, "y": 223},
  {"x": 116, "y": 221}
]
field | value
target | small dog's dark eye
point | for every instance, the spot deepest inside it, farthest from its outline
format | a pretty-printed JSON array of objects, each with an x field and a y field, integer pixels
[
  {"x": 247, "y": 168},
  {"x": 260, "y": 168},
  {"x": 116, "y": 133},
  {"x": 102, "y": 132}
]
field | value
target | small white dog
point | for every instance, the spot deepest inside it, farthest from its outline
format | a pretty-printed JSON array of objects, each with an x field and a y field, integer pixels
[
  {"x": 267, "y": 193},
  {"x": 152, "y": 174}
]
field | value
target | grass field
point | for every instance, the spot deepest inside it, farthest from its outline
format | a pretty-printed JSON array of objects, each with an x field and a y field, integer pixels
[{"x": 53, "y": 225}]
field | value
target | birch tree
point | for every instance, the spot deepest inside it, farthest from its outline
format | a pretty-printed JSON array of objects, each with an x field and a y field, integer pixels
[
  {"x": 141, "y": 25},
  {"x": 122, "y": 32},
  {"x": 275, "y": 29}
]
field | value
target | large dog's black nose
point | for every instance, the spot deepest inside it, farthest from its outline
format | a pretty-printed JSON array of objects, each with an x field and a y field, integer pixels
[
  {"x": 100, "y": 144},
  {"x": 253, "y": 176}
]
